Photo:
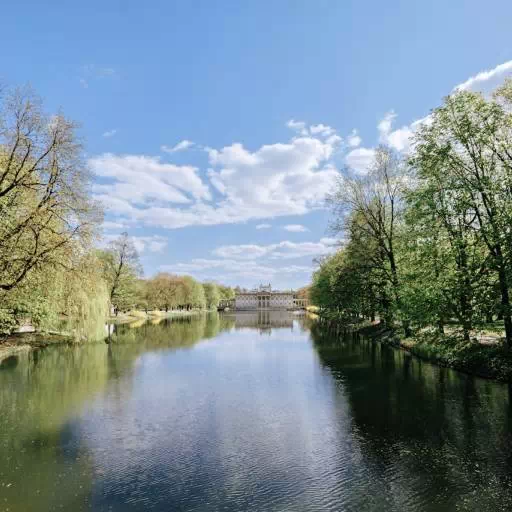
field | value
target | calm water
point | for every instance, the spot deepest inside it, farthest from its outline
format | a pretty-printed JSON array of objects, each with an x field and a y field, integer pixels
[{"x": 248, "y": 412}]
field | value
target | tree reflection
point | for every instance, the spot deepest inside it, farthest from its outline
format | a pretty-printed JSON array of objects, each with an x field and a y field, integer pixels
[
  {"x": 41, "y": 394},
  {"x": 444, "y": 433}
]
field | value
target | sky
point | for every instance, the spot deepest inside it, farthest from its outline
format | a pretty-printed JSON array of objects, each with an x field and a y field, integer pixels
[{"x": 214, "y": 129}]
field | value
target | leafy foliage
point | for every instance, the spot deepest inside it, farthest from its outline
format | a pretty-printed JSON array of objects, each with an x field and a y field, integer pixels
[{"x": 428, "y": 240}]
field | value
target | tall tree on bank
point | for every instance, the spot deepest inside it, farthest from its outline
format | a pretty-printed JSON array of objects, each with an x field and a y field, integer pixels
[
  {"x": 467, "y": 147},
  {"x": 121, "y": 268},
  {"x": 47, "y": 218},
  {"x": 212, "y": 295},
  {"x": 375, "y": 199}
]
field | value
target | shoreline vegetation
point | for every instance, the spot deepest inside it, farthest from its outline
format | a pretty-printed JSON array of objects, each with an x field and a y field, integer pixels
[
  {"x": 426, "y": 244},
  {"x": 34, "y": 339}
]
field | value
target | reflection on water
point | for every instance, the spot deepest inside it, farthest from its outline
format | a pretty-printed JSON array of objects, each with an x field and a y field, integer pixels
[
  {"x": 248, "y": 411},
  {"x": 266, "y": 320}
]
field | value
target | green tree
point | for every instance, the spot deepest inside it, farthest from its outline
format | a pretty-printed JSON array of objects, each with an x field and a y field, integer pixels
[
  {"x": 212, "y": 295},
  {"x": 376, "y": 201},
  {"x": 47, "y": 218},
  {"x": 121, "y": 268},
  {"x": 466, "y": 147}
]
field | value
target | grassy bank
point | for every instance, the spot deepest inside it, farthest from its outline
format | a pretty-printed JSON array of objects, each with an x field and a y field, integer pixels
[{"x": 483, "y": 359}]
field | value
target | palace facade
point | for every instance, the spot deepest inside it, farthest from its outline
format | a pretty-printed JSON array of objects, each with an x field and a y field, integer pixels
[{"x": 266, "y": 298}]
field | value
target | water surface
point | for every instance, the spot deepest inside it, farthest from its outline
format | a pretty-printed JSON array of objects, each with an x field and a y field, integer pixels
[{"x": 259, "y": 412}]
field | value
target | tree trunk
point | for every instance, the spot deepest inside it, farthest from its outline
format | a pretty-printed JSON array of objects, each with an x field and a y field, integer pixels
[
  {"x": 465, "y": 316},
  {"x": 505, "y": 305},
  {"x": 440, "y": 325}
]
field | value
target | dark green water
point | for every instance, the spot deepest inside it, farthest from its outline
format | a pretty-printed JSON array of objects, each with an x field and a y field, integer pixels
[{"x": 249, "y": 412}]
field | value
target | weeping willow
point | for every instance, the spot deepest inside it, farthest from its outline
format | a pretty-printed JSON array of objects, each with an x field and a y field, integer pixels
[
  {"x": 73, "y": 300},
  {"x": 84, "y": 301}
]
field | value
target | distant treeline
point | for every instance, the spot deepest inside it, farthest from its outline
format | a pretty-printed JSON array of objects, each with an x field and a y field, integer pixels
[
  {"x": 127, "y": 290},
  {"x": 427, "y": 238}
]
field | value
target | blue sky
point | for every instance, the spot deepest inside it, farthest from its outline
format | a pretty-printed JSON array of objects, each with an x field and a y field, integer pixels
[{"x": 215, "y": 128}]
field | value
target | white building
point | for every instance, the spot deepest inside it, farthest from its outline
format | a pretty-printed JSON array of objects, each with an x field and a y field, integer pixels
[{"x": 265, "y": 298}]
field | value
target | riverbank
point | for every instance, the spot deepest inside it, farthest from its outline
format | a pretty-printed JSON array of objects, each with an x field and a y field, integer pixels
[
  {"x": 137, "y": 315},
  {"x": 27, "y": 341},
  {"x": 31, "y": 339},
  {"x": 482, "y": 359}
]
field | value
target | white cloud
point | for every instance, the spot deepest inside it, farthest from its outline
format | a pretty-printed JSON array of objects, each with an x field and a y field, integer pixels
[
  {"x": 234, "y": 271},
  {"x": 242, "y": 252},
  {"x": 135, "y": 182},
  {"x": 277, "y": 179},
  {"x": 321, "y": 129},
  {"x": 263, "y": 226},
  {"x": 360, "y": 159},
  {"x": 281, "y": 250},
  {"x": 298, "y": 126},
  {"x": 245, "y": 264},
  {"x": 154, "y": 243},
  {"x": 486, "y": 80},
  {"x": 180, "y": 146},
  {"x": 109, "y": 133},
  {"x": 295, "y": 228},
  {"x": 353, "y": 139},
  {"x": 399, "y": 139}
]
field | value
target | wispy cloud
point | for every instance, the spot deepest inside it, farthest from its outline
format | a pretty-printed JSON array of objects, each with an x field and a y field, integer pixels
[
  {"x": 295, "y": 228},
  {"x": 109, "y": 133},
  {"x": 180, "y": 146},
  {"x": 245, "y": 264},
  {"x": 360, "y": 159},
  {"x": 263, "y": 226},
  {"x": 90, "y": 72},
  {"x": 482, "y": 79},
  {"x": 234, "y": 272},
  {"x": 281, "y": 250}
]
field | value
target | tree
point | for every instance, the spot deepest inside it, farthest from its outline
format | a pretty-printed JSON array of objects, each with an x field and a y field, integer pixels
[
  {"x": 47, "y": 218},
  {"x": 226, "y": 292},
  {"x": 194, "y": 296},
  {"x": 446, "y": 261},
  {"x": 375, "y": 198},
  {"x": 212, "y": 295},
  {"x": 466, "y": 146},
  {"x": 165, "y": 291},
  {"x": 121, "y": 268}
]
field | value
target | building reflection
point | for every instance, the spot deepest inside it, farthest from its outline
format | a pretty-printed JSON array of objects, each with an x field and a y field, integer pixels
[{"x": 265, "y": 320}]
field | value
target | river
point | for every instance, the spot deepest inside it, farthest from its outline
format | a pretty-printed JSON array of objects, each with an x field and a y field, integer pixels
[{"x": 257, "y": 412}]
